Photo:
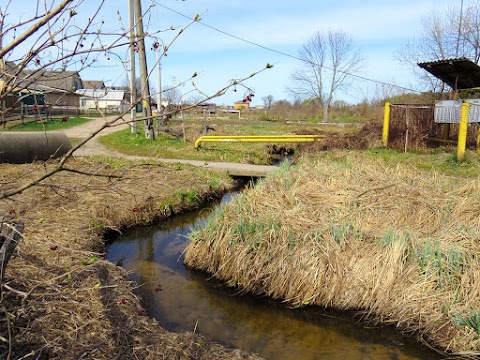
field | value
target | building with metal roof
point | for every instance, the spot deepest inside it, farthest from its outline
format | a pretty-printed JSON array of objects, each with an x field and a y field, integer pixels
[{"x": 104, "y": 99}]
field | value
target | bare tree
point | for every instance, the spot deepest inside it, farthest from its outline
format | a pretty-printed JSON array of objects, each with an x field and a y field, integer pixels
[
  {"x": 267, "y": 101},
  {"x": 173, "y": 95},
  {"x": 469, "y": 26},
  {"x": 453, "y": 34},
  {"x": 328, "y": 59}
]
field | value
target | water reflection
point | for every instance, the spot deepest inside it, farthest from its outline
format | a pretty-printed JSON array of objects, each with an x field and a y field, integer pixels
[{"x": 183, "y": 300}]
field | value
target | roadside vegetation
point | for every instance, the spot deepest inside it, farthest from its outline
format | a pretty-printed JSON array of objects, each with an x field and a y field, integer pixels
[
  {"x": 376, "y": 231},
  {"x": 172, "y": 145}
]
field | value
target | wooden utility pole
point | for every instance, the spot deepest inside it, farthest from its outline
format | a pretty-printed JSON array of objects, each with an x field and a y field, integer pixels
[
  {"x": 142, "y": 56},
  {"x": 2, "y": 77},
  {"x": 133, "y": 78}
]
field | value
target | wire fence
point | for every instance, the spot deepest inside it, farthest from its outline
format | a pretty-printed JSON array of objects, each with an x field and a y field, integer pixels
[{"x": 415, "y": 126}]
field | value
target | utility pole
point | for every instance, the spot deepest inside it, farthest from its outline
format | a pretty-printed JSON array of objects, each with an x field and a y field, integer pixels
[
  {"x": 133, "y": 78},
  {"x": 159, "y": 96},
  {"x": 160, "y": 119},
  {"x": 2, "y": 75},
  {"x": 146, "y": 108}
]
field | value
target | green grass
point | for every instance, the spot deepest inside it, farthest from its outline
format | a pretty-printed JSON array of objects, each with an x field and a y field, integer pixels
[
  {"x": 187, "y": 195},
  {"x": 471, "y": 320},
  {"x": 346, "y": 120},
  {"x": 438, "y": 160},
  {"x": 167, "y": 147},
  {"x": 54, "y": 124}
]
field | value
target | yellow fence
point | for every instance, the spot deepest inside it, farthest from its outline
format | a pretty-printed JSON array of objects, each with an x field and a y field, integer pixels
[{"x": 259, "y": 139}]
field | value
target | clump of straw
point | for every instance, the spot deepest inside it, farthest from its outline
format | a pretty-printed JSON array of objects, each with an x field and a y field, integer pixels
[{"x": 350, "y": 232}]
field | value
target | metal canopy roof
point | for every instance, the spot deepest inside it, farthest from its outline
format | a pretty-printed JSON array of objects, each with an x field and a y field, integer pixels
[{"x": 459, "y": 74}]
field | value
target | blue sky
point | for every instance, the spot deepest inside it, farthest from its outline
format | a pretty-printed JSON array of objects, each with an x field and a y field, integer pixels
[{"x": 377, "y": 27}]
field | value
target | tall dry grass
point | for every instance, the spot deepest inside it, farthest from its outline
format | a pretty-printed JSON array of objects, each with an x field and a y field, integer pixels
[
  {"x": 61, "y": 299},
  {"x": 347, "y": 231}
]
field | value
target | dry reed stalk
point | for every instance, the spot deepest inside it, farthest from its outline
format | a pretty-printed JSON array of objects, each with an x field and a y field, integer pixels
[{"x": 350, "y": 232}]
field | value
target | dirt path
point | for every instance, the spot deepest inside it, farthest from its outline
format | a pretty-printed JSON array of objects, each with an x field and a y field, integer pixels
[{"x": 95, "y": 148}]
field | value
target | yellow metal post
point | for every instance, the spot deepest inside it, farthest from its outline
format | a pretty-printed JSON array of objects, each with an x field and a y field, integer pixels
[
  {"x": 462, "y": 131},
  {"x": 386, "y": 123}
]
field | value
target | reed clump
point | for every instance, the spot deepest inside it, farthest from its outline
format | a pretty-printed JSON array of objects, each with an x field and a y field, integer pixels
[{"x": 347, "y": 231}]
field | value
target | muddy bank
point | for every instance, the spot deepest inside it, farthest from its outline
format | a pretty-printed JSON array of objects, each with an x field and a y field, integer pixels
[
  {"x": 62, "y": 299},
  {"x": 347, "y": 231}
]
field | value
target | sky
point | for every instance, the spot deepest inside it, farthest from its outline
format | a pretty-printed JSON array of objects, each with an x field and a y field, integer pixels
[{"x": 213, "y": 47}]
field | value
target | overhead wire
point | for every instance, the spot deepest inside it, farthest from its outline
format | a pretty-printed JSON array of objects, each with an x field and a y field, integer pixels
[{"x": 360, "y": 77}]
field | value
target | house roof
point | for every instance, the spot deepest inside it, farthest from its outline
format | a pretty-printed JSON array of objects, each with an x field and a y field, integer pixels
[
  {"x": 93, "y": 84},
  {"x": 13, "y": 75},
  {"x": 47, "y": 81},
  {"x": 459, "y": 74},
  {"x": 102, "y": 94},
  {"x": 54, "y": 80}
]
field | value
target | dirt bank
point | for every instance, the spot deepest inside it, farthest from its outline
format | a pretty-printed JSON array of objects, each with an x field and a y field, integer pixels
[
  {"x": 348, "y": 231},
  {"x": 62, "y": 300}
]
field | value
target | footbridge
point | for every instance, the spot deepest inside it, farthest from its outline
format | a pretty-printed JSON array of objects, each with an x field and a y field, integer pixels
[{"x": 232, "y": 169}]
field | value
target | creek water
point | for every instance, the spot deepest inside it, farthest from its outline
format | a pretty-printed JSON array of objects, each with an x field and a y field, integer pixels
[{"x": 185, "y": 300}]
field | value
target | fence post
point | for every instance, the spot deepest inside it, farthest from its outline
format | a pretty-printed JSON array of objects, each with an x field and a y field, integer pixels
[
  {"x": 386, "y": 122},
  {"x": 462, "y": 131},
  {"x": 204, "y": 122},
  {"x": 478, "y": 139}
]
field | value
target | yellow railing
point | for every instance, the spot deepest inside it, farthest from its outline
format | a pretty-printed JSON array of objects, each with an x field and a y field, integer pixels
[{"x": 259, "y": 139}]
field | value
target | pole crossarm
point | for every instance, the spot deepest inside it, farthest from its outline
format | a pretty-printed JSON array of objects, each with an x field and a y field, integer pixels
[{"x": 259, "y": 139}]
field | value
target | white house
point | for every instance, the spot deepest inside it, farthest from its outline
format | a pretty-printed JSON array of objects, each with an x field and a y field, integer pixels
[{"x": 103, "y": 99}]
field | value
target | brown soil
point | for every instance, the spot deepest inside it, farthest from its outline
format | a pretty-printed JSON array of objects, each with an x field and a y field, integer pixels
[{"x": 62, "y": 300}]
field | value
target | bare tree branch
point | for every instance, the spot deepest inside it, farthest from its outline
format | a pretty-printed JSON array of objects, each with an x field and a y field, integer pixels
[
  {"x": 327, "y": 61},
  {"x": 41, "y": 22}
]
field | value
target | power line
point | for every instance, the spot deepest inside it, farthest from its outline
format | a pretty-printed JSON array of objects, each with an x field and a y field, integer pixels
[{"x": 284, "y": 53}]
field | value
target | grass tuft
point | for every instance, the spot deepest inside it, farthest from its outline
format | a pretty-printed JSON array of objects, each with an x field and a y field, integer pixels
[
  {"x": 356, "y": 231},
  {"x": 51, "y": 125}
]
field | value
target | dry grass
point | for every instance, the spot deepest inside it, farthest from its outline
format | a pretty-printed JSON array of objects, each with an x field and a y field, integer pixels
[
  {"x": 347, "y": 231},
  {"x": 62, "y": 300}
]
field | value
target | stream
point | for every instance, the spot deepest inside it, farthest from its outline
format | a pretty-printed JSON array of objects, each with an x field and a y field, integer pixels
[{"x": 185, "y": 300}]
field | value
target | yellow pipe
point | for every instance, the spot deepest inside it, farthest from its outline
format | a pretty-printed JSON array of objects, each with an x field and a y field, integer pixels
[
  {"x": 386, "y": 123},
  {"x": 462, "y": 131},
  {"x": 259, "y": 136},
  {"x": 259, "y": 139}
]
